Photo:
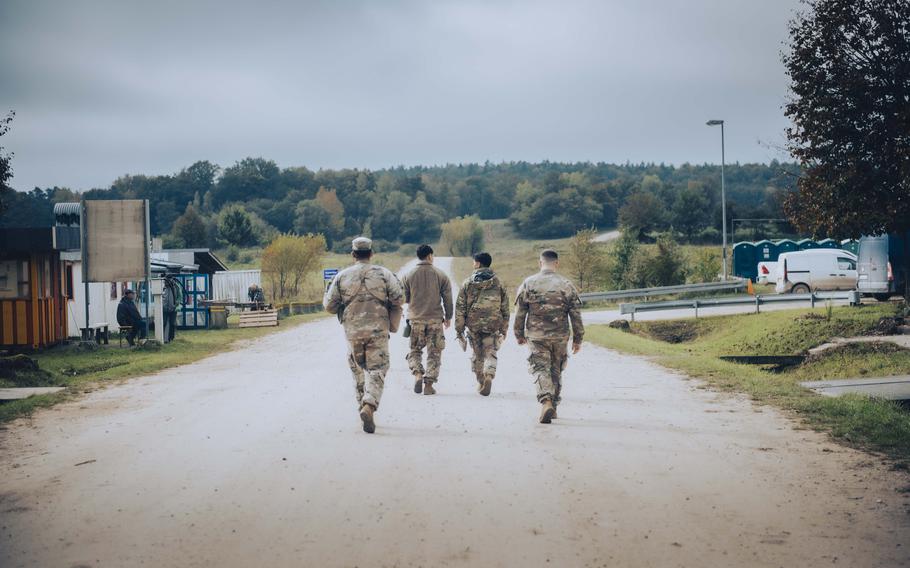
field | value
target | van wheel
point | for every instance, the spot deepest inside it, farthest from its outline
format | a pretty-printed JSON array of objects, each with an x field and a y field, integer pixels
[
  {"x": 882, "y": 297},
  {"x": 799, "y": 289}
]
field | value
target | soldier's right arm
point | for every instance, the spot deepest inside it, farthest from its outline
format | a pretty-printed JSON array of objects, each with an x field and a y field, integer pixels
[
  {"x": 504, "y": 310},
  {"x": 461, "y": 306},
  {"x": 521, "y": 314},
  {"x": 332, "y": 300}
]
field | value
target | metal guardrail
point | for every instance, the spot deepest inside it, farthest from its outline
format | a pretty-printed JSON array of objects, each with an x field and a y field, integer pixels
[
  {"x": 853, "y": 297},
  {"x": 730, "y": 285}
]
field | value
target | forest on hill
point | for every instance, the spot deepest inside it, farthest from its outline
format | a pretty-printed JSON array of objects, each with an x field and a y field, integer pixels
[{"x": 251, "y": 201}]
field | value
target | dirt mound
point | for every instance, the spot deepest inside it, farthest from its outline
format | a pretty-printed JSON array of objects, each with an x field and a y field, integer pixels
[
  {"x": 23, "y": 371},
  {"x": 855, "y": 349},
  {"x": 671, "y": 331},
  {"x": 621, "y": 325},
  {"x": 887, "y": 326}
]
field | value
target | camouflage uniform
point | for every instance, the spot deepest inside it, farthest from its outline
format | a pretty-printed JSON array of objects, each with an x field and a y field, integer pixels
[
  {"x": 366, "y": 293},
  {"x": 483, "y": 308},
  {"x": 428, "y": 293},
  {"x": 546, "y": 303}
]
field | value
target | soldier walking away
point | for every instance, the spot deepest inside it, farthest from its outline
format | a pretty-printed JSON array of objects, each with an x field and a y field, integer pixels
[
  {"x": 367, "y": 299},
  {"x": 547, "y": 302},
  {"x": 428, "y": 293},
  {"x": 482, "y": 311}
]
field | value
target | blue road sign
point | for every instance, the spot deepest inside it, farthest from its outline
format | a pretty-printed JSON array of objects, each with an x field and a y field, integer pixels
[{"x": 329, "y": 273}]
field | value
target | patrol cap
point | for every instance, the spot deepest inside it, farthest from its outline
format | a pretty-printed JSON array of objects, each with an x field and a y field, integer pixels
[{"x": 361, "y": 243}]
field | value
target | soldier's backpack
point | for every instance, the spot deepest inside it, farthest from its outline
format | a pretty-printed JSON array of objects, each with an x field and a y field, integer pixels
[{"x": 484, "y": 305}]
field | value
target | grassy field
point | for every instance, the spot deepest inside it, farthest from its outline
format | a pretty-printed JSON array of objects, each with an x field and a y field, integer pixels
[
  {"x": 514, "y": 258},
  {"x": 693, "y": 346},
  {"x": 82, "y": 371}
]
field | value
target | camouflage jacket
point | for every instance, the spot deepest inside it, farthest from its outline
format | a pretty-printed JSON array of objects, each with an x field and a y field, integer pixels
[
  {"x": 482, "y": 305},
  {"x": 547, "y": 302},
  {"x": 366, "y": 293}
]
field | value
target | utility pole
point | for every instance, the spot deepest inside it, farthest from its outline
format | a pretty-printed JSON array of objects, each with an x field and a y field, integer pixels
[{"x": 723, "y": 193}]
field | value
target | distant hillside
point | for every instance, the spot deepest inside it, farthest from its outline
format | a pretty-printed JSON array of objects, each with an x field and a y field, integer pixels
[{"x": 253, "y": 199}]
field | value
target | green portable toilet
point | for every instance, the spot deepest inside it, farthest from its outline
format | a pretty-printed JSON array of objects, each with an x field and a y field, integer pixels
[
  {"x": 744, "y": 262},
  {"x": 786, "y": 245},
  {"x": 851, "y": 245},
  {"x": 807, "y": 244},
  {"x": 828, "y": 244},
  {"x": 765, "y": 251}
]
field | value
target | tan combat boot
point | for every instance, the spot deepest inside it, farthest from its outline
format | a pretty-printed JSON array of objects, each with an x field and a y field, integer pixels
[
  {"x": 547, "y": 411},
  {"x": 418, "y": 383},
  {"x": 428, "y": 388},
  {"x": 486, "y": 386},
  {"x": 366, "y": 415},
  {"x": 554, "y": 417}
]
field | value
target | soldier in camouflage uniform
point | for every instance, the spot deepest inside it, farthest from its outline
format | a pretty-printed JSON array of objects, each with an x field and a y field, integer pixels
[
  {"x": 547, "y": 302},
  {"x": 428, "y": 293},
  {"x": 368, "y": 300},
  {"x": 483, "y": 308}
]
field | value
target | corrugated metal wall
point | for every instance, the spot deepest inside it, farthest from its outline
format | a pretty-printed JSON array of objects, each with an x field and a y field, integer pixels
[{"x": 233, "y": 284}]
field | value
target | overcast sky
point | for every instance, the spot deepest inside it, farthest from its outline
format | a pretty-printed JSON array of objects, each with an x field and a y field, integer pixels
[{"x": 103, "y": 89}]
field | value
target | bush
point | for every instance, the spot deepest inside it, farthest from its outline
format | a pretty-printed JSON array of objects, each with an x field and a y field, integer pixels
[
  {"x": 586, "y": 259},
  {"x": 704, "y": 265},
  {"x": 463, "y": 236},
  {"x": 232, "y": 253},
  {"x": 287, "y": 261}
]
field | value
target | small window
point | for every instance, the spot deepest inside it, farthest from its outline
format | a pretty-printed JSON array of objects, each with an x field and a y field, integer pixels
[{"x": 846, "y": 263}]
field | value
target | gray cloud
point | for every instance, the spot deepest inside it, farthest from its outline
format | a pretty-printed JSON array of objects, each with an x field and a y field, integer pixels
[{"x": 107, "y": 88}]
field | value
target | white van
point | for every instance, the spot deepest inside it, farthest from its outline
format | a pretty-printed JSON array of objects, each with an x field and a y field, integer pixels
[
  {"x": 816, "y": 269},
  {"x": 766, "y": 272}
]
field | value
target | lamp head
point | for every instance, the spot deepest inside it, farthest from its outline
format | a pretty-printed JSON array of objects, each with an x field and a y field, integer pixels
[{"x": 714, "y": 122}]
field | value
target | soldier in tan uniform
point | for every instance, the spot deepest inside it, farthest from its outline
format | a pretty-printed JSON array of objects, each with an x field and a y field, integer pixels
[
  {"x": 367, "y": 299},
  {"x": 428, "y": 293},
  {"x": 547, "y": 302},
  {"x": 482, "y": 309}
]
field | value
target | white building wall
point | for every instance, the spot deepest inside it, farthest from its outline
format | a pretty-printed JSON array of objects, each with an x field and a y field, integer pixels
[
  {"x": 234, "y": 284},
  {"x": 102, "y": 308}
]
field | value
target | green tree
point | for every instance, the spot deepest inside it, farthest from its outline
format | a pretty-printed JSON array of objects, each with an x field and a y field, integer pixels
[
  {"x": 288, "y": 260},
  {"x": 6, "y": 168},
  {"x": 235, "y": 226},
  {"x": 585, "y": 259},
  {"x": 190, "y": 229},
  {"x": 313, "y": 218},
  {"x": 622, "y": 255},
  {"x": 420, "y": 221},
  {"x": 642, "y": 213},
  {"x": 691, "y": 210},
  {"x": 849, "y": 68}
]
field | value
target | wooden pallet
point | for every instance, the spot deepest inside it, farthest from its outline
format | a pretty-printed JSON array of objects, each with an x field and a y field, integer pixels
[{"x": 262, "y": 318}]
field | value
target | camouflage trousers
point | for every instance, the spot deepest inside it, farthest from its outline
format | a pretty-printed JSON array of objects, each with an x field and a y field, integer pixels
[
  {"x": 369, "y": 362},
  {"x": 427, "y": 336},
  {"x": 483, "y": 354},
  {"x": 547, "y": 361}
]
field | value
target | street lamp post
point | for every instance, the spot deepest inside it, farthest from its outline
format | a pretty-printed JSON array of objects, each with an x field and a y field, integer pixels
[{"x": 723, "y": 192}]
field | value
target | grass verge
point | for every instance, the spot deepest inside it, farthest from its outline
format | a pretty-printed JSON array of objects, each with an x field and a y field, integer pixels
[
  {"x": 83, "y": 371},
  {"x": 863, "y": 422}
]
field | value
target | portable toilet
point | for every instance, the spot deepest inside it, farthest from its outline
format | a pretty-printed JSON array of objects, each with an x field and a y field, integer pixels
[
  {"x": 744, "y": 260},
  {"x": 807, "y": 244},
  {"x": 828, "y": 244},
  {"x": 766, "y": 251},
  {"x": 786, "y": 245},
  {"x": 851, "y": 245}
]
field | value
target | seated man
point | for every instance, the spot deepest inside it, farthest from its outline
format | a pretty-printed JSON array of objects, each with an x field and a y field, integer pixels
[{"x": 128, "y": 315}]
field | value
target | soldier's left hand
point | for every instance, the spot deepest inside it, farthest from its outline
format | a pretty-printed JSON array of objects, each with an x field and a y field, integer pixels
[
  {"x": 576, "y": 347},
  {"x": 447, "y": 324}
]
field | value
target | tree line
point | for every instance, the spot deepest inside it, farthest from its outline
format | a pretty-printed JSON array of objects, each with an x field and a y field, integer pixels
[{"x": 253, "y": 200}]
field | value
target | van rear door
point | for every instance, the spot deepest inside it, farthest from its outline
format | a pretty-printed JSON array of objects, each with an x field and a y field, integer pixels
[{"x": 872, "y": 265}]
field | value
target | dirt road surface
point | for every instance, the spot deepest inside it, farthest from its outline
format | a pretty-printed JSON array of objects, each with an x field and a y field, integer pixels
[{"x": 256, "y": 458}]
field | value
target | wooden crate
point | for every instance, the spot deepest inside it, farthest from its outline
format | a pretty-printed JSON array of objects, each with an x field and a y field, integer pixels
[{"x": 261, "y": 318}]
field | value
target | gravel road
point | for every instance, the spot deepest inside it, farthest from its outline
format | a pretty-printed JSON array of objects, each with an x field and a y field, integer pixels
[{"x": 256, "y": 458}]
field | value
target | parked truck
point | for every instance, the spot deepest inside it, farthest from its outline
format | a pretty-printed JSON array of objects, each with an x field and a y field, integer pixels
[{"x": 881, "y": 266}]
